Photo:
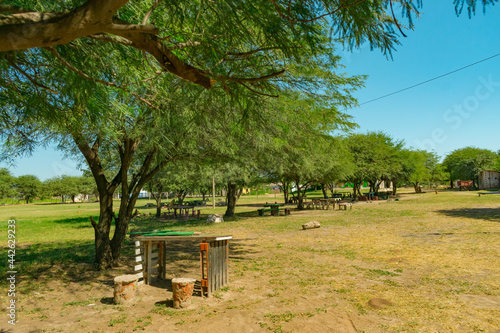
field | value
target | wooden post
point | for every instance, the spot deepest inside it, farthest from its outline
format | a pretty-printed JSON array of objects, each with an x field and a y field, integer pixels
[{"x": 213, "y": 192}]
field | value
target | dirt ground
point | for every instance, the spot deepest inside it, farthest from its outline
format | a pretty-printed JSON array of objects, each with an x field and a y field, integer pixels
[{"x": 400, "y": 266}]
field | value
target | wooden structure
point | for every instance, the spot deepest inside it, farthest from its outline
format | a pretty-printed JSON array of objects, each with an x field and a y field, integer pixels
[
  {"x": 489, "y": 179},
  {"x": 465, "y": 185},
  {"x": 151, "y": 259}
]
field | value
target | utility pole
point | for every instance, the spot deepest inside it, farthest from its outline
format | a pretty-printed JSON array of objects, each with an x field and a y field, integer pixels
[{"x": 213, "y": 192}]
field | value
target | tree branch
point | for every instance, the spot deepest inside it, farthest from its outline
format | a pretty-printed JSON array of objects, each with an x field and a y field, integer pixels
[
  {"x": 32, "y": 80},
  {"x": 255, "y": 79},
  {"x": 150, "y": 11},
  {"x": 258, "y": 92},
  {"x": 183, "y": 45}
]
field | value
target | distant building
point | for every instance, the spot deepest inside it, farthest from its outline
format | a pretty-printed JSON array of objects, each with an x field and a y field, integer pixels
[{"x": 489, "y": 179}]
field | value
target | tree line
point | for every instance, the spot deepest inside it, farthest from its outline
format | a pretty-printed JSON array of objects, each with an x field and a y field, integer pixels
[{"x": 28, "y": 188}]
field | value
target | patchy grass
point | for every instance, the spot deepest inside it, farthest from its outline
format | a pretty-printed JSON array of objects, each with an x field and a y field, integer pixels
[{"x": 434, "y": 257}]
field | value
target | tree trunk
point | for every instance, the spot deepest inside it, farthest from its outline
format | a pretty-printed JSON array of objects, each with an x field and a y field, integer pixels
[
  {"x": 394, "y": 187},
  {"x": 300, "y": 194},
  {"x": 107, "y": 251},
  {"x": 231, "y": 199},
  {"x": 181, "y": 195},
  {"x": 285, "y": 186},
  {"x": 157, "y": 198},
  {"x": 356, "y": 189},
  {"x": 324, "y": 189},
  {"x": 331, "y": 187},
  {"x": 417, "y": 187},
  {"x": 103, "y": 253}
]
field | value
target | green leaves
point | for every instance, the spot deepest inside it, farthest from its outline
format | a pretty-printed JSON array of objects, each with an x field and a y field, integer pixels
[{"x": 467, "y": 163}]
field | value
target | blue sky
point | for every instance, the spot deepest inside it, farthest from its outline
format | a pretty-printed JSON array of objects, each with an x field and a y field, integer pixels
[{"x": 453, "y": 112}]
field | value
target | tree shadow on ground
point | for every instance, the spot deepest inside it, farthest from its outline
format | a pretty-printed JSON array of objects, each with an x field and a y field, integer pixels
[
  {"x": 487, "y": 214},
  {"x": 69, "y": 261},
  {"x": 78, "y": 222}
]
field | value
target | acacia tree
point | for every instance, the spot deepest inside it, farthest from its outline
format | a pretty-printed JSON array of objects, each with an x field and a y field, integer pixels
[
  {"x": 466, "y": 163},
  {"x": 374, "y": 157},
  {"x": 179, "y": 37},
  {"x": 6, "y": 183},
  {"x": 304, "y": 152},
  {"x": 28, "y": 187},
  {"x": 422, "y": 165}
]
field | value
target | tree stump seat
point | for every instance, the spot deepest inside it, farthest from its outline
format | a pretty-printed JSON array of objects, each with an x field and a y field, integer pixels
[
  {"x": 124, "y": 288},
  {"x": 182, "y": 290}
]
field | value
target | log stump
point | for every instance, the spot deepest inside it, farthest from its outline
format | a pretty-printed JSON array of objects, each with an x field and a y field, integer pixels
[
  {"x": 182, "y": 289},
  {"x": 124, "y": 288}
]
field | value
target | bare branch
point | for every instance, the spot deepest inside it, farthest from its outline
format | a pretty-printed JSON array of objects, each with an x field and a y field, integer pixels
[
  {"x": 120, "y": 26},
  {"x": 111, "y": 39},
  {"x": 258, "y": 92},
  {"x": 183, "y": 45},
  {"x": 150, "y": 11},
  {"x": 395, "y": 20}
]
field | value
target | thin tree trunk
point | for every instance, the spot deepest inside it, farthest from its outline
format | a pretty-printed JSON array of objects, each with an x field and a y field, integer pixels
[
  {"x": 231, "y": 198},
  {"x": 300, "y": 194},
  {"x": 285, "y": 186},
  {"x": 103, "y": 255},
  {"x": 394, "y": 187},
  {"x": 354, "y": 192},
  {"x": 324, "y": 189}
]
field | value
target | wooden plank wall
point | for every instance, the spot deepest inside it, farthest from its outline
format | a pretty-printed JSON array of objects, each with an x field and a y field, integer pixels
[
  {"x": 147, "y": 260},
  {"x": 217, "y": 265}
]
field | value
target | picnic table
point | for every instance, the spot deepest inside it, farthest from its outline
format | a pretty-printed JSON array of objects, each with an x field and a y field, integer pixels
[
  {"x": 151, "y": 257},
  {"x": 274, "y": 208}
]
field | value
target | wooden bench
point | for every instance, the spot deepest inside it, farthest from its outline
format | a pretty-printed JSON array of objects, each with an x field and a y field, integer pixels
[{"x": 344, "y": 205}]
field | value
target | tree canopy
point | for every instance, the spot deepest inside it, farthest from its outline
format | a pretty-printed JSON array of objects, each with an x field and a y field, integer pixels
[
  {"x": 212, "y": 44},
  {"x": 466, "y": 163}
]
